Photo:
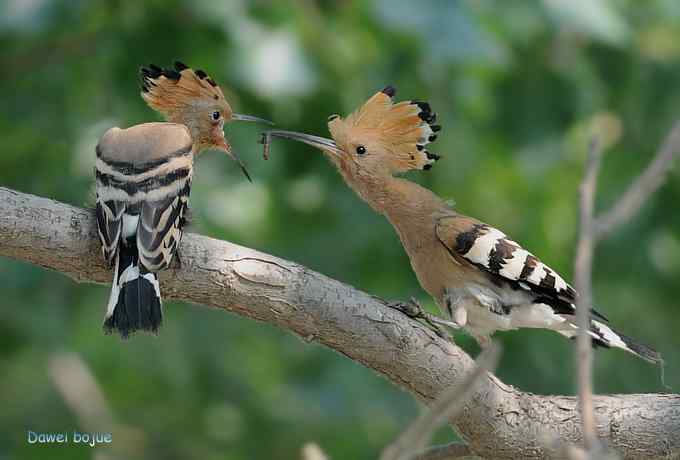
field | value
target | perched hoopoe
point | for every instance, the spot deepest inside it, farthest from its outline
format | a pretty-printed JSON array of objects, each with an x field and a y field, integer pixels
[
  {"x": 482, "y": 279},
  {"x": 143, "y": 176}
]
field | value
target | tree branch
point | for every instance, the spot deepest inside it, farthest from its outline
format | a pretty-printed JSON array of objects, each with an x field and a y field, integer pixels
[
  {"x": 642, "y": 188},
  {"x": 498, "y": 421}
]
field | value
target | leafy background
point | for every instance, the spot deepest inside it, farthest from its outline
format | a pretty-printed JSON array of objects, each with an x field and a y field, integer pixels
[{"x": 519, "y": 87}]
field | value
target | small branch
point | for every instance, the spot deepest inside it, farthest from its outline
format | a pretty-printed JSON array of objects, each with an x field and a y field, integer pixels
[
  {"x": 452, "y": 451},
  {"x": 583, "y": 281},
  {"x": 642, "y": 188},
  {"x": 593, "y": 230},
  {"x": 449, "y": 404}
]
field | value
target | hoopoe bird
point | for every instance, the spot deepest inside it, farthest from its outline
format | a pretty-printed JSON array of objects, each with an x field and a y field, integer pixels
[
  {"x": 480, "y": 278},
  {"x": 143, "y": 179}
]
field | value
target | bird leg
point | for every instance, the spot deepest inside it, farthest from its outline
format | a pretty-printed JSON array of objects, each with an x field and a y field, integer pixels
[{"x": 414, "y": 310}]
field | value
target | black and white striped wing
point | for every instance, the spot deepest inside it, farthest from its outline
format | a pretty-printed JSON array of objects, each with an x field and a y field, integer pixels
[
  {"x": 109, "y": 226},
  {"x": 506, "y": 262},
  {"x": 492, "y": 251},
  {"x": 160, "y": 227}
]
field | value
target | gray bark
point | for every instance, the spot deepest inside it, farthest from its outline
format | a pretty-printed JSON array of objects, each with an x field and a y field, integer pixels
[{"x": 499, "y": 421}]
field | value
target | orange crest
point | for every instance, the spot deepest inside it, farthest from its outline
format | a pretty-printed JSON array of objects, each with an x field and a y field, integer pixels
[
  {"x": 395, "y": 133},
  {"x": 179, "y": 92}
]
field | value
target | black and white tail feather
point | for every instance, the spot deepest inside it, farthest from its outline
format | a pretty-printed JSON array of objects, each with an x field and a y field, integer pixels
[
  {"x": 605, "y": 336},
  {"x": 135, "y": 300},
  {"x": 522, "y": 291}
]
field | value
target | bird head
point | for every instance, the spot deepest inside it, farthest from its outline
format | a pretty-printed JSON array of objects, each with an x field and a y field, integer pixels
[
  {"x": 380, "y": 138},
  {"x": 192, "y": 98}
]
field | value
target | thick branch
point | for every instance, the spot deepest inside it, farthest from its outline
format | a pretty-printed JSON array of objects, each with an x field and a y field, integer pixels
[{"x": 497, "y": 422}]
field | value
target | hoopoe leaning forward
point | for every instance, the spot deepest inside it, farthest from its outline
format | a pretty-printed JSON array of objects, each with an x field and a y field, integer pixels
[
  {"x": 482, "y": 279},
  {"x": 143, "y": 180}
]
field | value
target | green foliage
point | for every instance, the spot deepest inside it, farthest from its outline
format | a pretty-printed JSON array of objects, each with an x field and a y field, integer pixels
[{"x": 519, "y": 87}]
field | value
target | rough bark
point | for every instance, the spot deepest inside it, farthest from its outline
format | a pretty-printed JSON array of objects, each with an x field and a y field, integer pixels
[{"x": 499, "y": 421}]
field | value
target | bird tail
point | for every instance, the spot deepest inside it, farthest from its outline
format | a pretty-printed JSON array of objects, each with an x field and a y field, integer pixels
[
  {"x": 605, "y": 336},
  {"x": 608, "y": 337},
  {"x": 135, "y": 300}
]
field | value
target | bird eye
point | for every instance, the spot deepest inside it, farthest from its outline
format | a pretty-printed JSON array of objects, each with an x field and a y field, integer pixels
[
  {"x": 215, "y": 115},
  {"x": 361, "y": 150}
]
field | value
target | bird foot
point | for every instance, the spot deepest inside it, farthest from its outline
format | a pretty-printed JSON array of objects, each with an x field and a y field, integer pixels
[{"x": 414, "y": 310}]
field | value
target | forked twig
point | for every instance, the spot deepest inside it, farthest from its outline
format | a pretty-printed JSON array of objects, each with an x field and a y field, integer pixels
[{"x": 592, "y": 230}]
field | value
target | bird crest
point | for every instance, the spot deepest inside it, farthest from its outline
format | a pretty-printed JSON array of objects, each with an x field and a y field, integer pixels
[
  {"x": 400, "y": 130},
  {"x": 176, "y": 92}
]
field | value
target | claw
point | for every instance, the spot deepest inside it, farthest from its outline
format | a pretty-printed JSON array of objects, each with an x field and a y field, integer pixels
[{"x": 414, "y": 310}]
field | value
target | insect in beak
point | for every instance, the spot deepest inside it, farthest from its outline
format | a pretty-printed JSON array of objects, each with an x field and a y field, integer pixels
[
  {"x": 227, "y": 148},
  {"x": 326, "y": 145}
]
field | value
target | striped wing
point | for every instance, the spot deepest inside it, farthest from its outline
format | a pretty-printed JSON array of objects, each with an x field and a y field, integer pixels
[
  {"x": 492, "y": 251},
  {"x": 160, "y": 228},
  {"x": 109, "y": 226},
  {"x": 143, "y": 175},
  {"x": 506, "y": 262}
]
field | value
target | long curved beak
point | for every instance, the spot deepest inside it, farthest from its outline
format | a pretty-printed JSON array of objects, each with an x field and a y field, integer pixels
[
  {"x": 326, "y": 145},
  {"x": 242, "y": 117}
]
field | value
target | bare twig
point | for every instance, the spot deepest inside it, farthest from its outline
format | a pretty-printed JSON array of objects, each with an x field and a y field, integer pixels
[
  {"x": 592, "y": 230},
  {"x": 642, "y": 188},
  {"x": 453, "y": 451},
  {"x": 583, "y": 281},
  {"x": 415, "y": 438}
]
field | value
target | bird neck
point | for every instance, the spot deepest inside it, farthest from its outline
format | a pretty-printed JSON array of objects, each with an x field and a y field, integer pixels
[{"x": 400, "y": 200}]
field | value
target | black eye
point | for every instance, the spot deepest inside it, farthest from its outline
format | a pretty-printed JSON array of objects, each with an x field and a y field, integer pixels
[
  {"x": 215, "y": 115},
  {"x": 361, "y": 150}
]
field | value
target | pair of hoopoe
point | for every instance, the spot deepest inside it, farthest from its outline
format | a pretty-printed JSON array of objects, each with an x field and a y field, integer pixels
[{"x": 481, "y": 279}]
